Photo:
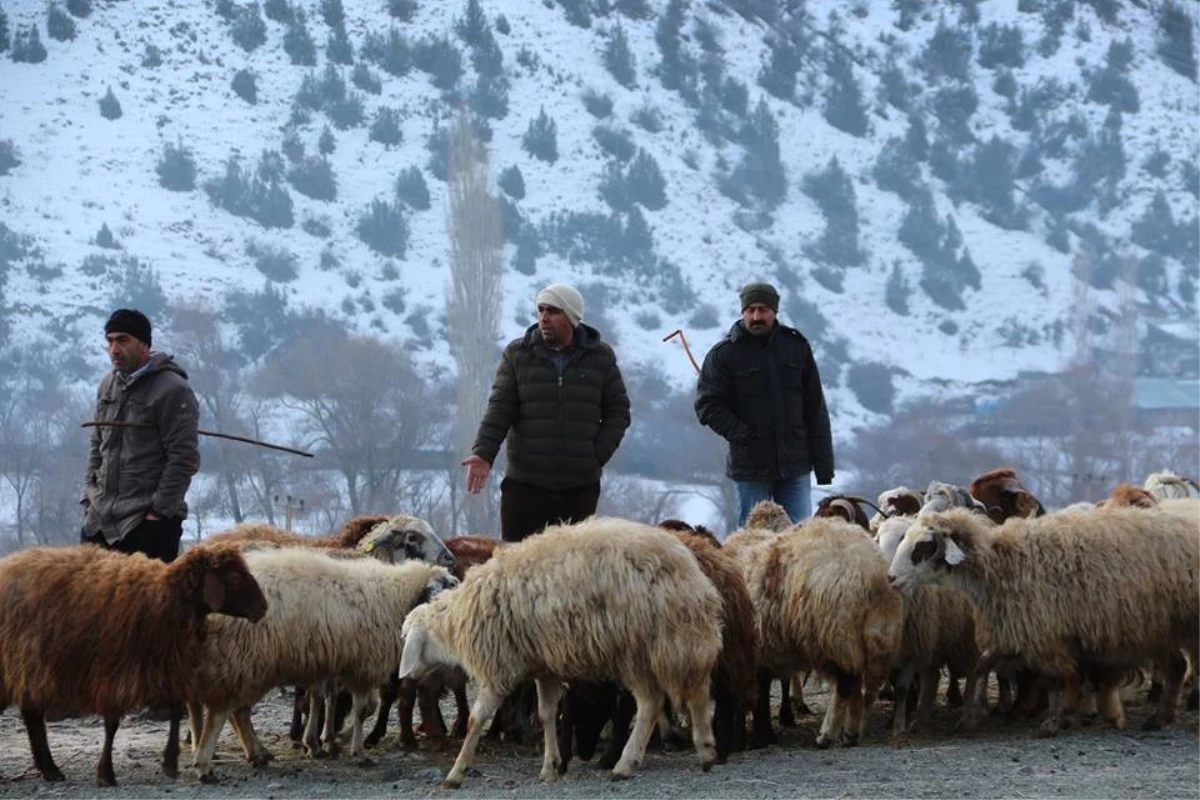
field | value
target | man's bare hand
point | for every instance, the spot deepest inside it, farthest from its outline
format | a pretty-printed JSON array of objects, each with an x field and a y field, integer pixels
[{"x": 477, "y": 473}]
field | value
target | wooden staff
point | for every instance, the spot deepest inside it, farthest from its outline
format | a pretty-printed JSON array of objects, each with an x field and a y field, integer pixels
[
  {"x": 247, "y": 440},
  {"x": 679, "y": 332}
]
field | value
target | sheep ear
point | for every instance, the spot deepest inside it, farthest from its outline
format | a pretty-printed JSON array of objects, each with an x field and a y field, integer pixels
[
  {"x": 410, "y": 659},
  {"x": 954, "y": 554},
  {"x": 214, "y": 592}
]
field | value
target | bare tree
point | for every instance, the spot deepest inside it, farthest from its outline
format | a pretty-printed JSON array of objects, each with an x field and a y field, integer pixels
[
  {"x": 473, "y": 307},
  {"x": 360, "y": 401}
]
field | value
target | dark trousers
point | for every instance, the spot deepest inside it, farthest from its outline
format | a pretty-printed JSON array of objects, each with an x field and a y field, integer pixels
[
  {"x": 157, "y": 538},
  {"x": 526, "y": 509}
]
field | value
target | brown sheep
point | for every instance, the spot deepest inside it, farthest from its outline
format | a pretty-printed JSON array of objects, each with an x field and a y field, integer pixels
[
  {"x": 844, "y": 507},
  {"x": 1126, "y": 495},
  {"x": 128, "y": 632},
  {"x": 1004, "y": 495}
]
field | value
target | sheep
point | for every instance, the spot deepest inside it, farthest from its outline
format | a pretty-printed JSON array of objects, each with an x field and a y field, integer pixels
[
  {"x": 603, "y": 599},
  {"x": 100, "y": 632},
  {"x": 822, "y": 602},
  {"x": 1109, "y": 588},
  {"x": 468, "y": 552},
  {"x": 939, "y": 628},
  {"x": 1004, "y": 496},
  {"x": 330, "y": 619},
  {"x": 844, "y": 507},
  {"x": 900, "y": 501},
  {"x": 587, "y": 706},
  {"x": 943, "y": 496},
  {"x": 1125, "y": 495},
  {"x": 1166, "y": 484}
]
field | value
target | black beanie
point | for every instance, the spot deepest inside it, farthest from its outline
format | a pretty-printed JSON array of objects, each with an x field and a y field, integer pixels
[
  {"x": 131, "y": 321},
  {"x": 763, "y": 293}
]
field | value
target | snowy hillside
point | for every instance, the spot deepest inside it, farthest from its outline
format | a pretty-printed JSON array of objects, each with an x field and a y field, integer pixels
[{"x": 1005, "y": 80}]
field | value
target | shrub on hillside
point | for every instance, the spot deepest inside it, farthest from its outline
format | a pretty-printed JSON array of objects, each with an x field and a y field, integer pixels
[
  {"x": 275, "y": 263},
  {"x": 338, "y": 48},
  {"x": 247, "y": 28},
  {"x": 80, "y": 8},
  {"x": 5, "y": 38},
  {"x": 896, "y": 291},
  {"x": 440, "y": 59},
  {"x": 245, "y": 85},
  {"x": 383, "y": 228},
  {"x": 391, "y": 53},
  {"x": 412, "y": 190},
  {"x": 298, "y": 42},
  {"x": 10, "y": 158},
  {"x": 176, "y": 168},
  {"x": 644, "y": 182},
  {"x": 27, "y": 46},
  {"x": 617, "y": 144},
  {"x": 151, "y": 57},
  {"x": 871, "y": 383},
  {"x": 59, "y": 24},
  {"x": 364, "y": 79},
  {"x": 541, "y": 138},
  {"x": 313, "y": 177},
  {"x": 1176, "y": 43},
  {"x": 104, "y": 238},
  {"x": 511, "y": 181},
  {"x": 110, "y": 106},
  {"x": 597, "y": 104},
  {"x": 386, "y": 127},
  {"x": 618, "y": 58},
  {"x": 403, "y": 10},
  {"x": 138, "y": 285},
  {"x": 278, "y": 10}
]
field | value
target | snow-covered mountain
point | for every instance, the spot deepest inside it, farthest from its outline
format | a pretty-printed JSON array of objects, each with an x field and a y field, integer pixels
[{"x": 945, "y": 174}]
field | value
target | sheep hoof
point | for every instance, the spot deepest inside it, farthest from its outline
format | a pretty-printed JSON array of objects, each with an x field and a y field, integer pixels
[
  {"x": 1154, "y": 723},
  {"x": 365, "y": 761},
  {"x": 823, "y": 742},
  {"x": 452, "y": 783},
  {"x": 707, "y": 764},
  {"x": 619, "y": 776},
  {"x": 209, "y": 777},
  {"x": 170, "y": 770},
  {"x": 1048, "y": 729},
  {"x": 849, "y": 740}
]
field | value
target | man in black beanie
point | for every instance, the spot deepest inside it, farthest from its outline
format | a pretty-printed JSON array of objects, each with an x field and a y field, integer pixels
[
  {"x": 760, "y": 390},
  {"x": 138, "y": 472}
]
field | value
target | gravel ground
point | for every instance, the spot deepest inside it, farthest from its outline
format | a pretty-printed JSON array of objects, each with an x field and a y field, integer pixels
[{"x": 1000, "y": 759}]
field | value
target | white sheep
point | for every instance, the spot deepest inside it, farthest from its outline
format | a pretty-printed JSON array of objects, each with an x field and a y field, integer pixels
[
  {"x": 604, "y": 599},
  {"x": 1166, "y": 484},
  {"x": 330, "y": 617},
  {"x": 939, "y": 628},
  {"x": 1110, "y": 588},
  {"x": 822, "y": 602}
]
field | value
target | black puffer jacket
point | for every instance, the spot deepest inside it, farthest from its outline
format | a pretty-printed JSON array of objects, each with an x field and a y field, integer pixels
[
  {"x": 763, "y": 395},
  {"x": 561, "y": 429}
]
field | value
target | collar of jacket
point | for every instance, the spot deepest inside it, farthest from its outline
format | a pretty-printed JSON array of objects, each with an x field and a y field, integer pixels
[
  {"x": 586, "y": 337},
  {"x": 739, "y": 333}
]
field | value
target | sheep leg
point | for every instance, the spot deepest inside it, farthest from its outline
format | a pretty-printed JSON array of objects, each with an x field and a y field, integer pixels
[
  {"x": 330, "y": 691},
  {"x": 35, "y": 728},
  {"x": 787, "y": 717},
  {"x": 954, "y": 697},
  {"x": 1109, "y": 705},
  {"x": 797, "y": 685},
  {"x": 195, "y": 713},
  {"x": 1052, "y": 723},
  {"x": 316, "y": 721},
  {"x": 900, "y": 706},
  {"x": 762, "y": 734},
  {"x": 622, "y": 717},
  {"x": 850, "y": 697},
  {"x": 214, "y": 720},
  {"x": 829, "y": 730},
  {"x": 487, "y": 701},
  {"x": 358, "y": 707},
  {"x": 388, "y": 694},
  {"x": 977, "y": 700},
  {"x": 549, "y": 692},
  {"x": 256, "y": 752},
  {"x": 1173, "y": 669},
  {"x": 464, "y": 710},
  {"x": 170, "y": 759},
  {"x": 700, "y": 709},
  {"x": 649, "y": 702},
  {"x": 299, "y": 704},
  {"x": 406, "y": 703},
  {"x": 104, "y": 770},
  {"x": 929, "y": 679}
]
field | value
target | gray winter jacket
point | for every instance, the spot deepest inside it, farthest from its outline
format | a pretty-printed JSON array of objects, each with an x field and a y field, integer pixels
[{"x": 134, "y": 470}]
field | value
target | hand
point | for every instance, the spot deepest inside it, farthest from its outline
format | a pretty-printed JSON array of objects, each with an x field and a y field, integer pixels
[
  {"x": 824, "y": 480},
  {"x": 150, "y": 515},
  {"x": 477, "y": 472}
]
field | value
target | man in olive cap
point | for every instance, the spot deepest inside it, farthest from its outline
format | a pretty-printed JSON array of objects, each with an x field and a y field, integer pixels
[
  {"x": 760, "y": 390},
  {"x": 139, "y": 470},
  {"x": 559, "y": 400}
]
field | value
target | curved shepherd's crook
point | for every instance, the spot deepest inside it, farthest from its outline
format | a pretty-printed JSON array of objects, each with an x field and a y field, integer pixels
[
  {"x": 247, "y": 440},
  {"x": 679, "y": 332}
]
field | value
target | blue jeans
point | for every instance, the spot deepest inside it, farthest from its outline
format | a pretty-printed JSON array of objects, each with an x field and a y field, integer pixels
[{"x": 794, "y": 494}]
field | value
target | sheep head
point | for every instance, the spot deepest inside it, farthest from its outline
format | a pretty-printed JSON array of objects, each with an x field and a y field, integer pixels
[
  {"x": 934, "y": 548},
  {"x": 945, "y": 496},
  {"x": 1004, "y": 496},
  {"x": 223, "y": 583},
  {"x": 407, "y": 538},
  {"x": 767, "y": 515}
]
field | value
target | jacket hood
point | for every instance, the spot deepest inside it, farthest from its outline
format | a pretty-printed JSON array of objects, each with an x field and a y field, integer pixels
[{"x": 163, "y": 362}]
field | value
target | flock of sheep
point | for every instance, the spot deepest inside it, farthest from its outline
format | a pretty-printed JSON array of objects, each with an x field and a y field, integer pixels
[{"x": 618, "y": 622}]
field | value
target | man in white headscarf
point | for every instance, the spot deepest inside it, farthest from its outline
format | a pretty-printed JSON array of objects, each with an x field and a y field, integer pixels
[{"x": 559, "y": 399}]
